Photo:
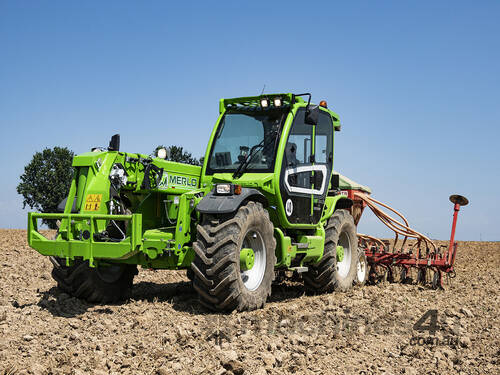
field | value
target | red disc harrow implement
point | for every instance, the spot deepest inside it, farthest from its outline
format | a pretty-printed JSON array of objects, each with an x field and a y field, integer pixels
[{"x": 413, "y": 250}]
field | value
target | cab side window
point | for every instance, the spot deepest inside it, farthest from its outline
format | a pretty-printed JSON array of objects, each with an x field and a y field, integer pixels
[
  {"x": 299, "y": 146},
  {"x": 324, "y": 140},
  {"x": 298, "y": 151}
]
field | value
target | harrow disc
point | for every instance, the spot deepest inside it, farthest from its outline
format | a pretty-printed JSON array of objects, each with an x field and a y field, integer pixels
[
  {"x": 421, "y": 276},
  {"x": 389, "y": 274},
  {"x": 404, "y": 278},
  {"x": 436, "y": 280}
]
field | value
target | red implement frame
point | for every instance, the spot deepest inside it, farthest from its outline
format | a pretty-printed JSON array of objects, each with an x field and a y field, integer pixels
[{"x": 378, "y": 252}]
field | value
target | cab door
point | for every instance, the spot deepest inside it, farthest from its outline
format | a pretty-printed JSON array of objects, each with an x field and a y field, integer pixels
[
  {"x": 306, "y": 168},
  {"x": 323, "y": 157}
]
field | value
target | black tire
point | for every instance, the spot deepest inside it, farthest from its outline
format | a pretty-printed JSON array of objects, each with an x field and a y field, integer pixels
[
  {"x": 96, "y": 285},
  {"x": 324, "y": 277},
  {"x": 217, "y": 275},
  {"x": 190, "y": 274}
]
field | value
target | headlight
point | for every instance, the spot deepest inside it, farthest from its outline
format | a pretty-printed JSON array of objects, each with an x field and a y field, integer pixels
[
  {"x": 264, "y": 103},
  {"x": 223, "y": 189},
  {"x": 118, "y": 175},
  {"x": 277, "y": 102},
  {"x": 161, "y": 153},
  {"x": 228, "y": 189}
]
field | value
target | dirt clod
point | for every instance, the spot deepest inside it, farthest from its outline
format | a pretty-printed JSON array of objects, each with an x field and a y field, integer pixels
[{"x": 162, "y": 329}]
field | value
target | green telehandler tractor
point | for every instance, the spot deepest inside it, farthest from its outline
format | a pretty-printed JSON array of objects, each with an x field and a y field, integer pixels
[{"x": 265, "y": 199}]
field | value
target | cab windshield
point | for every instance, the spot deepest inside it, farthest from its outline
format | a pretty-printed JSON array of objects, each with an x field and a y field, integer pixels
[{"x": 242, "y": 134}]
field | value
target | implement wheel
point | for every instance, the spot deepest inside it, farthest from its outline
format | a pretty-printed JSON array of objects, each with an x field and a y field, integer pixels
[
  {"x": 362, "y": 268},
  {"x": 105, "y": 284},
  {"x": 337, "y": 268},
  {"x": 234, "y": 260}
]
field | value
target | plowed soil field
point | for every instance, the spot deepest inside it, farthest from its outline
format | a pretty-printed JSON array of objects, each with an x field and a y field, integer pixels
[{"x": 162, "y": 329}]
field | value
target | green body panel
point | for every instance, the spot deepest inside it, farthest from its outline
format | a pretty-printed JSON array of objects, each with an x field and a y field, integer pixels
[
  {"x": 316, "y": 246},
  {"x": 329, "y": 208},
  {"x": 285, "y": 251},
  {"x": 159, "y": 225}
]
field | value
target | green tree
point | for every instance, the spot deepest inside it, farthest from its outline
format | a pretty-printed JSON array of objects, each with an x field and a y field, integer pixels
[
  {"x": 46, "y": 180},
  {"x": 177, "y": 154}
]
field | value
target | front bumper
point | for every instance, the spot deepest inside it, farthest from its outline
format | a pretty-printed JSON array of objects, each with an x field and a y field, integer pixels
[{"x": 71, "y": 242}]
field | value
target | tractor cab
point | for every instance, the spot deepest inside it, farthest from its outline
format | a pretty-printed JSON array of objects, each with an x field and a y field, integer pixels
[{"x": 279, "y": 144}]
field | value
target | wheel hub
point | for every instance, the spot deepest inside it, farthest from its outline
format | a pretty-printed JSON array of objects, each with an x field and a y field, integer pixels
[
  {"x": 252, "y": 260},
  {"x": 340, "y": 253},
  {"x": 247, "y": 259}
]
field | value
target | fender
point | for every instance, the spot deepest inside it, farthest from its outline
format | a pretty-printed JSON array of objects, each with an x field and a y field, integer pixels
[
  {"x": 336, "y": 202},
  {"x": 225, "y": 204}
]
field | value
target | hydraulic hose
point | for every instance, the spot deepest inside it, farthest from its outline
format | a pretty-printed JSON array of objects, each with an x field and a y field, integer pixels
[{"x": 397, "y": 226}]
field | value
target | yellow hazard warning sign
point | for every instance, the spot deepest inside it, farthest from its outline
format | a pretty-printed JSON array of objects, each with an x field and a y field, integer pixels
[{"x": 93, "y": 202}]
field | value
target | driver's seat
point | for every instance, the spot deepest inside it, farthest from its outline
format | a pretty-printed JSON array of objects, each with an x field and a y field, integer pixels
[{"x": 291, "y": 153}]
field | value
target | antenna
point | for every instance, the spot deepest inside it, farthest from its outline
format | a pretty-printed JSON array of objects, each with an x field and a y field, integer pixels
[{"x": 262, "y": 92}]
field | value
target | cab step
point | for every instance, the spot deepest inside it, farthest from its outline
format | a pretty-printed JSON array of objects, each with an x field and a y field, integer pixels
[
  {"x": 299, "y": 269},
  {"x": 301, "y": 245}
]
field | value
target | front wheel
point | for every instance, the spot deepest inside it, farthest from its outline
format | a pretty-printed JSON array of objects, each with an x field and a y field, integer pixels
[
  {"x": 234, "y": 260},
  {"x": 106, "y": 284}
]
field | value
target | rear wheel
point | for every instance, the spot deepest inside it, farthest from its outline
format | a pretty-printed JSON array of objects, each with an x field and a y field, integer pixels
[
  {"x": 105, "y": 284},
  {"x": 337, "y": 268},
  {"x": 234, "y": 262}
]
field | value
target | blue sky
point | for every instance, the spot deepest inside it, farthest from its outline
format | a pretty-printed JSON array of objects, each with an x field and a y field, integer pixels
[{"x": 417, "y": 86}]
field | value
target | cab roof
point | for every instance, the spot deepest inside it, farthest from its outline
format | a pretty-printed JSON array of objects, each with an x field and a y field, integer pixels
[{"x": 287, "y": 100}]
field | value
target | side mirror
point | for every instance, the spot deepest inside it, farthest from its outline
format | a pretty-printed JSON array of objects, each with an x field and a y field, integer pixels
[
  {"x": 335, "y": 181},
  {"x": 114, "y": 143},
  {"x": 312, "y": 115}
]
